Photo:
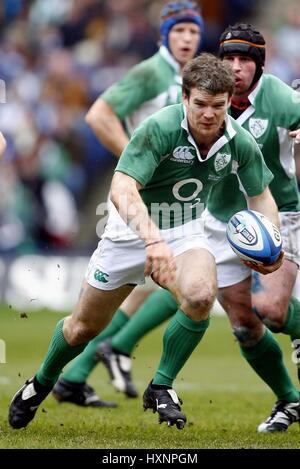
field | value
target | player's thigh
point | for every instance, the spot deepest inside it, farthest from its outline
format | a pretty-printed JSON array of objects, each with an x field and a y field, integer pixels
[
  {"x": 236, "y": 301},
  {"x": 138, "y": 296},
  {"x": 194, "y": 260},
  {"x": 96, "y": 307},
  {"x": 273, "y": 291},
  {"x": 196, "y": 276}
]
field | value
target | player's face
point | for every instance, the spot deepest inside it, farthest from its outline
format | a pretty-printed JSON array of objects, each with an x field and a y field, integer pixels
[
  {"x": 205, "y": 113},
  {"x": 244, "y": 70},
  {"x": 183, "y": 41}
]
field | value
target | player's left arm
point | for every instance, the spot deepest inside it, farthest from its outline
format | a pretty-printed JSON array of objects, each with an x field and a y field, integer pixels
[{"x": 265, "y": 204}]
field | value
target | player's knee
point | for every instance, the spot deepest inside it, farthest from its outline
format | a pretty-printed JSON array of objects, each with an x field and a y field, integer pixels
[
  {"x": 199, "y": 299},
  {"x": 235, "y": 301},
  {"x": 246, "y": 336},
  {"x": 80, "y": 333},
  {"x": 274, "y": 326},
  {"x": 271, "y": 315}
]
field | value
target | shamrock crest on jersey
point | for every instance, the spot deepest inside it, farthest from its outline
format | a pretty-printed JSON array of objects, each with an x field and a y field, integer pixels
[
  {"x": 222, "y": 160},
  {"x": 258, "y": 126}
]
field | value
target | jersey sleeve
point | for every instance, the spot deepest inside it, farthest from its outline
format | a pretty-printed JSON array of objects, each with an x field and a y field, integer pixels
[
  {"x": 127, "y": 95},
  {"x": 286, "y": 105},
  {"x": 143, "y": 153},
  {"x": 293, "y": 110},
  {"x": 252, "y": 172}
]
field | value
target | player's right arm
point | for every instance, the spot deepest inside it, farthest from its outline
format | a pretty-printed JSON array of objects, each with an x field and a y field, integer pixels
[
  {"x": 107, "y": 127},
  {"x": 134, "y": 171},
  {"x": 2, "y": 144},
  {"x": 107, "y": 114},
  {"x": 126, "y": 198}
]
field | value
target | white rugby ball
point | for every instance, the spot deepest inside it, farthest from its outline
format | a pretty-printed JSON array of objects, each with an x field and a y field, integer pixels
[{"x": 253, "y": 237}]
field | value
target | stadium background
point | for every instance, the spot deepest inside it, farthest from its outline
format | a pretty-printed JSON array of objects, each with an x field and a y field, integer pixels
[{"x": 56, "y": 57}]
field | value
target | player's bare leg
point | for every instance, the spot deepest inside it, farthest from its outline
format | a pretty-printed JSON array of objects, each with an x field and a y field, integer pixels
[
  {"x": 195, "y": 290},
  {"x": 262, "y": 352},
  {"x": 92, "y": 313}
]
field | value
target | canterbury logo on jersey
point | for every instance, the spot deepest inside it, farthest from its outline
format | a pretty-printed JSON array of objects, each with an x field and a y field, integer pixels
[
  {"x": 100, "y": 276},
  {"x": 222, "y": 160},
  {"x": 183, "y": 155}
]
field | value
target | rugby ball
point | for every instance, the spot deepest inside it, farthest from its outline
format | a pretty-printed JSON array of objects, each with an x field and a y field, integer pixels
[{"x": 253, "y": 237}]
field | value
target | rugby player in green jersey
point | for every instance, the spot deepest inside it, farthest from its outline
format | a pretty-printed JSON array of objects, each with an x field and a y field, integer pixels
[
  {"x": 146, "y": 88},
  {"x": 269, "y": 109},
  {"x": 160, "y": 187}
]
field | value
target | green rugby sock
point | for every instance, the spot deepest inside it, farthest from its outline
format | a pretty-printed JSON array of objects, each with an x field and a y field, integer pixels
[
  {"x": 83, "y": 365},
  {"x": 266, "y": 360},
  {"x": 58, "y": 355},
  {"x": 158, "y": 307},
  {"x": 180, "y": 339}
]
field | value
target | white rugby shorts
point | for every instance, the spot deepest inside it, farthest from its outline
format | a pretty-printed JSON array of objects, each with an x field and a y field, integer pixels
[{"x": 120, "y": 256}]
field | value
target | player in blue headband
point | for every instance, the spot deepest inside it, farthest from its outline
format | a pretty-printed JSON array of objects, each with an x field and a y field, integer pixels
[{"x": 175, "y": 13}]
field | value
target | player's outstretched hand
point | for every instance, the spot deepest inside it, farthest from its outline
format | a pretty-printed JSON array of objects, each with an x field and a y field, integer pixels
[
  {"x": 160, "y": 263},
  {"x": 296, "y": 135},
  {"x": 266, "y": 269}
]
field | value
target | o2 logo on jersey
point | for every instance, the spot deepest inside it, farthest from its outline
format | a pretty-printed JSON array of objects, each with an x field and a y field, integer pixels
[
  {"x": 198, "y": 186},
  {"x": 258, "y": 126},
  {"x": 183, "y": 155}
]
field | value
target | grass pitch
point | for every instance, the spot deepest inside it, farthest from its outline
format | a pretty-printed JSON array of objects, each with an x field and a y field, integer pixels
[{"x": 223, "y": 399}]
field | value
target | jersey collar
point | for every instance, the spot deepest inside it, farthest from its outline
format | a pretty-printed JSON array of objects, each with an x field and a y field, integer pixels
[
  {"x": 251, "y": 109},
  {"x": 168, "y": 57},
  {"x": 226, "y": 137}
]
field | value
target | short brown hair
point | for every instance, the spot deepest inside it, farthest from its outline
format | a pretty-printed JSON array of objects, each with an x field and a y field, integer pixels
[{"x": 208, "y": 73}]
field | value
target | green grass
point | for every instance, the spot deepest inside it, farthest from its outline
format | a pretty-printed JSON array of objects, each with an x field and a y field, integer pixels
[{"x": 223, "y": 399}]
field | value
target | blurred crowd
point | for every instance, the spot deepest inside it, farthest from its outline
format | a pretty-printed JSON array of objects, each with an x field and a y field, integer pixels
[{"x": 56, "y": 57}]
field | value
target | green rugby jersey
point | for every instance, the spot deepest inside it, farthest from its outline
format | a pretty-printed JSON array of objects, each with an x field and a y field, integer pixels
[
  {"x": 146, "y": 88},
  {"x": 164, "y": 158},
  {"x": 274, "y": 111}
]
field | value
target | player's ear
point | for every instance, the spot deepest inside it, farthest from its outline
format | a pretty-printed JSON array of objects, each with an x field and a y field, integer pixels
[
  {"x": 185, "y": 98},
  {"x": 229, "y": 102}
]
